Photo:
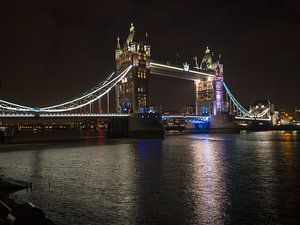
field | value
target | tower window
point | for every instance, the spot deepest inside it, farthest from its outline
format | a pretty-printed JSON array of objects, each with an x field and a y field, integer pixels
[{"x": 141, "y": 89}]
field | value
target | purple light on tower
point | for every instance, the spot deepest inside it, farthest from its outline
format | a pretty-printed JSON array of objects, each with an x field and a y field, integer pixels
[{"x": 219, "y": 101}]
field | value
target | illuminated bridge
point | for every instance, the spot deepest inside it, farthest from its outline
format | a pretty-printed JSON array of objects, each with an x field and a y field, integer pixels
[{"x": 130, "y": 84}]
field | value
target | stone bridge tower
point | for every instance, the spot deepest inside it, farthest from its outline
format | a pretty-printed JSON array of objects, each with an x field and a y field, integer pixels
[
  {"x": 132, "y": 94},
  {"x": 209, "y": 92}
]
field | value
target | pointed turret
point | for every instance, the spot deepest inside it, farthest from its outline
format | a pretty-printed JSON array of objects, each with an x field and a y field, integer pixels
[
  {"x": 147, "y": 45},
  {"x": 146, "y": 38},
  {"x": 130, "y": 37},
  {"x": 220, "y": 58},
  {"x": 133, "y": 93},
  {"x": 141, "y": 47},
  {"x": 118, "y": 44},
  {"x": 118, "y": 51},
  {"x": 206, "y": 63},
  {"x": 195, "y": 58}
]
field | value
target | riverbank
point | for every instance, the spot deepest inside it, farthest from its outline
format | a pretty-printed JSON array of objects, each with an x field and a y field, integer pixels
[
  {"x": 8, "y": 186},
  {"x": 12, "y": 212}
]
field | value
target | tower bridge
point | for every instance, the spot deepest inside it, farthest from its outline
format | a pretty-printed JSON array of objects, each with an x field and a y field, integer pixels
[{"x": 130, "y": 84}]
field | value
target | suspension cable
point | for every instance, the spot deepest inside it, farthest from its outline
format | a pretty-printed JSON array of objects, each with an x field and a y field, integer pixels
[
  {"x": 88, "y": 98},
  {"x": 236, "y": 103}
]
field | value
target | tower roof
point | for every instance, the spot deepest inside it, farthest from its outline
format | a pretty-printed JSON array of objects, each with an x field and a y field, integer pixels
[
  {"x": 207, "y": 60},
  {"x": 131, "y": 34},
  {"x": 146, "y": 38},
  {"x": 118, "y": 43}
]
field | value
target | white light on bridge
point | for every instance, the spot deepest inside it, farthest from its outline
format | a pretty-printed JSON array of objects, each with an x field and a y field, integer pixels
[{"x": 152, "y": 64}]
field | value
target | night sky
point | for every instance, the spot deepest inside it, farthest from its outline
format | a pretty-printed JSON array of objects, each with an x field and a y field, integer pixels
[{"x": 54, "y": 50}]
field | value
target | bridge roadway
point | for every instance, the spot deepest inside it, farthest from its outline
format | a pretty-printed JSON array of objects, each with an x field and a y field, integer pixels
[
  {"x": 101, "y": 116},
  {"x": 96, "y": 115},
  {"x": 161, "y": 69},
  {"x": 32, "y": 118},
  {"x": 242, "y": 118}
]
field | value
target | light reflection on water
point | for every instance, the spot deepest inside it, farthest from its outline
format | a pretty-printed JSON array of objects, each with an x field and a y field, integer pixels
[
  {"x": 209, "y": 183},
  {"x": 249, "y": 178}
]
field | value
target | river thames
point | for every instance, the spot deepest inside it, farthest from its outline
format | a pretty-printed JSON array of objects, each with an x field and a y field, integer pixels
[{"x": 246, "y": 178}]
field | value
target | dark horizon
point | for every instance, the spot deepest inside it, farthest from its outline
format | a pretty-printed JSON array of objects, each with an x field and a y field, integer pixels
[{"x": 53, "y": 51}]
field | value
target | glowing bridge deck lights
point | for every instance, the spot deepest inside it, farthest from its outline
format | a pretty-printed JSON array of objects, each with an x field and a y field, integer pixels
[
  {"x": 10, "y": 109},
  {"x": 46, "y": 115},
  {"x": 86, "y": 99},
  {"x": 188, "y": 73}
]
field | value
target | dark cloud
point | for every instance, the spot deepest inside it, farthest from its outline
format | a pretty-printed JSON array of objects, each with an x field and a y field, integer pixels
[{"x": 53, "y": 50}]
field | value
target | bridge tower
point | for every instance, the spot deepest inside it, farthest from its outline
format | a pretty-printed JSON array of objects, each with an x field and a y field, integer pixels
[
  {"x": 209, "y": 91},
  {"x": 132, "y": 94}
]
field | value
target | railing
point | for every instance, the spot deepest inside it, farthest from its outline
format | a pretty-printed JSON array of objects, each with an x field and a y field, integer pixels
[
  {"x": 159, "y": 65},
  {"x": 85, "y": 115},
  {"x": 15, "y": 115}
]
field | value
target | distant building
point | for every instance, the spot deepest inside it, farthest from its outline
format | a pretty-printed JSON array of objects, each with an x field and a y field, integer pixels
[
  {"x": 285, "y": 118},
  {"x": 261, "y": 105},
  {"x": 297, "y": 116},
  {"x": 188, "y": 110}
]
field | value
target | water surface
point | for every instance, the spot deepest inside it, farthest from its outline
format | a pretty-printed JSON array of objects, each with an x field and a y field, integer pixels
[{"x": 247, "y": 178}]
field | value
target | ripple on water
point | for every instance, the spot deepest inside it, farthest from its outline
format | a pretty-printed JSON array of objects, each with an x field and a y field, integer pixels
[{"x": 248, "y": 178}]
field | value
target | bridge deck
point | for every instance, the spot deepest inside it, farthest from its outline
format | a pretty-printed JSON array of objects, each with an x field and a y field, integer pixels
[
  {"x": 161, "y": 69},
  {"x": 63, "y": 115}
]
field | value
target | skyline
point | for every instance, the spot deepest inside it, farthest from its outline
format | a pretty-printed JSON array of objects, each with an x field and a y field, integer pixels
[{"x": 46, "y": 45}]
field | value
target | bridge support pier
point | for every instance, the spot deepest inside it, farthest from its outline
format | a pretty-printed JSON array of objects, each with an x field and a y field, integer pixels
[
  {"x": 117, "y": 128},
  {"x": 223, "y": 121},
  {"x": 149, "y": 125}
]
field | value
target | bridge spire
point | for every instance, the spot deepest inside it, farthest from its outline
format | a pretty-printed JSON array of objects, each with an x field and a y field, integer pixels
[
  {"x": 206, "y": 63},
  {"x": 118, "y": 43},
  {"x": 131, "y": 27},
  {"x": 130, "y": 37},
  {"x": 146, "y": 38},
  {"x": 195, "y": 58},
  {"x": 207, "y": 51}
]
